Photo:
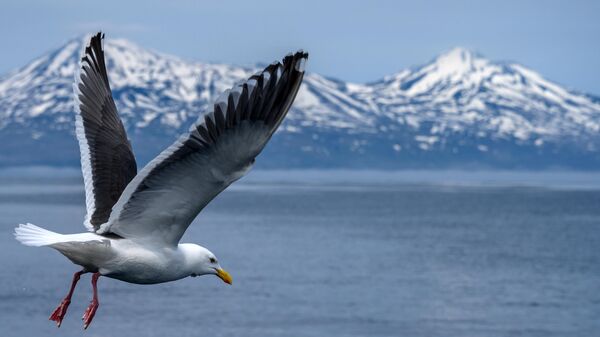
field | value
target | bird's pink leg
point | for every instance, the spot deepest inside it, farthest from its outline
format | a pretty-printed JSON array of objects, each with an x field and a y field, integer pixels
[
  {"x": 89, "y": 313},
  {"x": 60, "y": 311}
]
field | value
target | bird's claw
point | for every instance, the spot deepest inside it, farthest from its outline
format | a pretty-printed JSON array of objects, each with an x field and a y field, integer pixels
[
  {"x": 89, "y": 313},
  {"x": 59, "y": 313}
]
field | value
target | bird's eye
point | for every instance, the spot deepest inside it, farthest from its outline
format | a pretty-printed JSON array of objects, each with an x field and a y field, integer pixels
[{"x": 213, "y": 260}]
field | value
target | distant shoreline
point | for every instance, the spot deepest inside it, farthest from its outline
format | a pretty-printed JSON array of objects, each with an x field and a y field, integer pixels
[{"x": 352, "y": 177}]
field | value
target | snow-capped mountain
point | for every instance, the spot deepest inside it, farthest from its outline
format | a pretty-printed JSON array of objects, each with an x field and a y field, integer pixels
[{"x": 459, "y": 110}]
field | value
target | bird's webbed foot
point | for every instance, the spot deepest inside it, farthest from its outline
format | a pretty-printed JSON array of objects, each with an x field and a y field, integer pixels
[
  {"x": 89, "y": 313},
  {"x": 59, "y": 313}
]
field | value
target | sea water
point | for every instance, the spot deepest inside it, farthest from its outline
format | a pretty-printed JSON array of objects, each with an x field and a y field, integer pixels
[{"x": 333, "y": 254}]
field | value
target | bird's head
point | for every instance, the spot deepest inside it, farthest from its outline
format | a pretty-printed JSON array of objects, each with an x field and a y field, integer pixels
[{"x": 201, "y": 261}]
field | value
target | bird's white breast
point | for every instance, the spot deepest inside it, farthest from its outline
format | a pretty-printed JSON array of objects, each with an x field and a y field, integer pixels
[{"x": 138, "y": 263}]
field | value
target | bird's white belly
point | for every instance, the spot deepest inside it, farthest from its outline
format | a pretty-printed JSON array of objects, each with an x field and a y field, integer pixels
[{"x": 136, "y": 264}]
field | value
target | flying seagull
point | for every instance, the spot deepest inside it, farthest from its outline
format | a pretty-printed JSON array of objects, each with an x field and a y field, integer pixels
[{"x": 136, "y": 219}]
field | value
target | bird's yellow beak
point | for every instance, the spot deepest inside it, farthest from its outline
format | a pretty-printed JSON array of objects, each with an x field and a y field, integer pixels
[{"x": 224, "y": 276}]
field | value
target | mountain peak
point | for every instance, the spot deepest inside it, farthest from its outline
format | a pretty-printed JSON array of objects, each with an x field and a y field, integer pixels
[
  {"x": 459, "y": 51},
  {"x": 456, "y": 57},
  {"x": 457, "y": 61}
]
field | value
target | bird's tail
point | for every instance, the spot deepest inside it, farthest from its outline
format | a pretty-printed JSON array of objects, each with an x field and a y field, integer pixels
[{"x": 32, "y": 235}]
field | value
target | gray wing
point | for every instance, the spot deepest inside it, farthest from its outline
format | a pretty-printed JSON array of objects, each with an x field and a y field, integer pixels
[
  {"x": 107, "y": 160},
  {"x": 164, "y": 198}
]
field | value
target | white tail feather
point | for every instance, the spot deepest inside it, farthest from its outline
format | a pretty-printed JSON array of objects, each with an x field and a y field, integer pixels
[{"x": 32, "y": 235}]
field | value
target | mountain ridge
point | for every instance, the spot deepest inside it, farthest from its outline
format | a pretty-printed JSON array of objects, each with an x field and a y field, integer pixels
[{"x": 460, "y": 110}]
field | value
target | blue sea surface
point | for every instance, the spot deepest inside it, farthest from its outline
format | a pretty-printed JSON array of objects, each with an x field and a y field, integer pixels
[{"x": 336, "y": 253}]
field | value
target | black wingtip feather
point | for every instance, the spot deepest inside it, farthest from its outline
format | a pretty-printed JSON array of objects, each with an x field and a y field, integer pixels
[
  {"x": 267, "y": 101},
  {"x": 242, "y": 106}
]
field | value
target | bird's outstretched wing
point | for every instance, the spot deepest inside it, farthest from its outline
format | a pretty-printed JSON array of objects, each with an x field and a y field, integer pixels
[
  {"x": 107, "y": 160},
  {"x": 163, "y": 199}
]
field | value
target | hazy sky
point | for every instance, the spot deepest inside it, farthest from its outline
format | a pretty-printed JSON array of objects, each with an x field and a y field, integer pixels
[{"x": 352, "y": 40}]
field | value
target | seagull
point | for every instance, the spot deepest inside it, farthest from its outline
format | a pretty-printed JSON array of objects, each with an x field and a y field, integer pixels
[{"x": 136, "y": 219}]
